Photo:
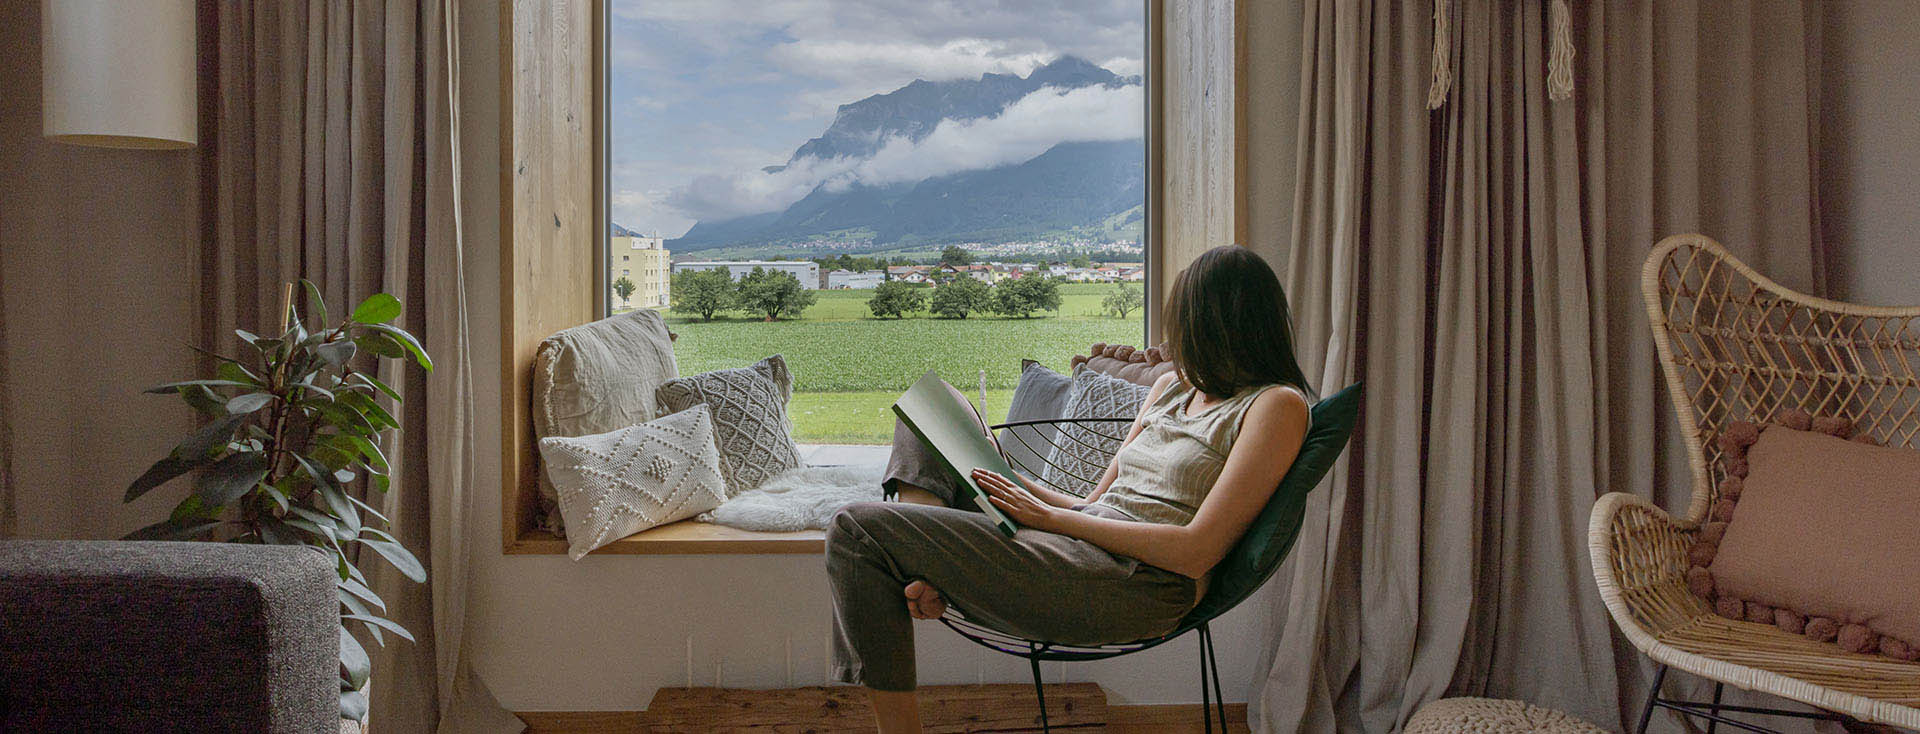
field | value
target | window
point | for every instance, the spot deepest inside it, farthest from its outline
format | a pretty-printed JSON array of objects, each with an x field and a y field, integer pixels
[{"x": 948, "y": 186}]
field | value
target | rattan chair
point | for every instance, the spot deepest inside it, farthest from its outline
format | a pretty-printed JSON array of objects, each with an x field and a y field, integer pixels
[
  {"x": 1247, "y": 565},
  {"x": 1737, "y": 346}
]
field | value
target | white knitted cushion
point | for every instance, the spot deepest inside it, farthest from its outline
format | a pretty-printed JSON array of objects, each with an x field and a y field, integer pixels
[
  {"x": 1494, "y": 716},
  {"x": 749, "y": 418},
  {"x": 612, "y": 485},
  {"x": 1081, "y": 452}
]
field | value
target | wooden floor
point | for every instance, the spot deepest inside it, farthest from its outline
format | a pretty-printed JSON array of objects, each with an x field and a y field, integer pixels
[{"x": 1071, "y": 707}]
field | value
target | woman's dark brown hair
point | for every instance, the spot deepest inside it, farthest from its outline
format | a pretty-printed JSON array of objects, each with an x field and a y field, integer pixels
[{"x": 1228, "y": 327}]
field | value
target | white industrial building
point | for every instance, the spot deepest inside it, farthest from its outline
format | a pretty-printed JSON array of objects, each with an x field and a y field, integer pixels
[
  {"x": 807, "y": 272},
  {"x": 848, "y": 279}
]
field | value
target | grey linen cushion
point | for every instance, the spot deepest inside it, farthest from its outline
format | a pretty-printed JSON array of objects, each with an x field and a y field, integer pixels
[
  {"x": 596, "y": 378},
  {"x": 750, "y": 425},
  {"x": 151, "y": 636},
  {"x": 1082, "y": 452},
  {"x": 1040, "y": 395},
  {"x": 615, "y": 484}
]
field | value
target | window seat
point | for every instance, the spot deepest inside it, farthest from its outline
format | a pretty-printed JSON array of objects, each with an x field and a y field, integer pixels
[
  {"x": 687, "y": 537},
  {"x": 696, "y": 538}
]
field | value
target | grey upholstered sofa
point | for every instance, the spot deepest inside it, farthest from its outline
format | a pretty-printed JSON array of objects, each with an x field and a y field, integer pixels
[{"x": 163, "y": 637}]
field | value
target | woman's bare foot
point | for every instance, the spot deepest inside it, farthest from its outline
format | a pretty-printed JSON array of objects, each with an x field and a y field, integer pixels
[{"x": 924, "y": 601}]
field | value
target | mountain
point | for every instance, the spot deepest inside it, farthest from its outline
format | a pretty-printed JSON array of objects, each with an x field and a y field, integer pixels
[
  {"x": 1067, "y": 187},
  {"x": 615, "y": 230},
  {"x": 859, "y": 129}
]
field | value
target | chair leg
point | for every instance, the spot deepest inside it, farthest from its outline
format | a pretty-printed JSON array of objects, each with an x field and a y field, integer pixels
[
  {"x": 1039, "y": 692},
  {"x": 1206, "y": 690},
  {"x": 1653, "y": 694},
  {"x": 1213, "y": 664},
  {"x": 1718, "y": 688}
]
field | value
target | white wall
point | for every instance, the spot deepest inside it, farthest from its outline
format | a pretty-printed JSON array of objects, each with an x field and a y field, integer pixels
[
  {"x": 602, "y": 634},
  {"x": 1870, "y": 149},
  {"x": 96, "y": 250}
]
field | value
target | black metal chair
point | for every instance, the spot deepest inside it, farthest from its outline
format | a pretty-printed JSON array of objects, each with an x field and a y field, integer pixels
[{"x": 1252, "y": 560}]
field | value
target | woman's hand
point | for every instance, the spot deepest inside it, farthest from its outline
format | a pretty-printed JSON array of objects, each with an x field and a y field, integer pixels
[{"x": 1013, "y": 499}]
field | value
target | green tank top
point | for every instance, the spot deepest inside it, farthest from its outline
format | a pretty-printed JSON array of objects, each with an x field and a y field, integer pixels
[{"x": 1166, "y": 472}]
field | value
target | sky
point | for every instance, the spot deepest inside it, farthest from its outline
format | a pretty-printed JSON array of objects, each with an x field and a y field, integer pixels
[{"x": 706, "y": 93}]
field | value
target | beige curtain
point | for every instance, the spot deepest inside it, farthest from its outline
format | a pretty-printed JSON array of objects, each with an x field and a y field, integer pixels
[
  {"x": 329, "y": 155},
  {"x": 1476, "y": 266}
]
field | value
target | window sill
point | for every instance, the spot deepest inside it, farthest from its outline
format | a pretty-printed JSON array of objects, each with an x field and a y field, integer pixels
[{"x": 683, "y": 538}]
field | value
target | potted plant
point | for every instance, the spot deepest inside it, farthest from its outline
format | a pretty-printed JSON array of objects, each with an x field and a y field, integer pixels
[{"x": 290, "y": 428}]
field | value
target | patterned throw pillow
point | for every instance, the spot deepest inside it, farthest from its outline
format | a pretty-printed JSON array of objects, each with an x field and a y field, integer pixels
[
  {"x": 1082, "y": 452},
  {"x": 750, "y": 423},
  {"x": 612, "y": 485}
]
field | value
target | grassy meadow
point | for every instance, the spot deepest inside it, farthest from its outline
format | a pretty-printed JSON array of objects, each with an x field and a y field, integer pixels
[{"x": 849, "y": 367}]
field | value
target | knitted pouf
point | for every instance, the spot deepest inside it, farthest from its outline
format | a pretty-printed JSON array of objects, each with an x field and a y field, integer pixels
[{"x": 1494, "y": 716}]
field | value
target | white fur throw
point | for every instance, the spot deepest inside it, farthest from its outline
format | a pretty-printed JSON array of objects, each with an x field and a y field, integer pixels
[{"x": 799, "y": 499}]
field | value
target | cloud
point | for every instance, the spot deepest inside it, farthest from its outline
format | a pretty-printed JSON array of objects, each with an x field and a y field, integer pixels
[
  {"x": 1125, "y": 65},
  {"x": 1026, "y": 128}
]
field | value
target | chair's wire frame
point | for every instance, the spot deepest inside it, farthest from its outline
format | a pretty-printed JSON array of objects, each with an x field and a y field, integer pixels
[
  {"x": 1734, "y": 345},
  {"x": 1104, "y": 442}
]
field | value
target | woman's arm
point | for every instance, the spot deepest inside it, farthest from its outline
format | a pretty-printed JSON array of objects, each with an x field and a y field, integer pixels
[
  {"x": 1062, "y": 499},
  {"x": 1270, "y": 437}
]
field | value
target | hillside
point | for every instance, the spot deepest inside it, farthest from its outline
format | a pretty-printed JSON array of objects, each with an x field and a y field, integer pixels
[{"x": 1069, "y": 188}]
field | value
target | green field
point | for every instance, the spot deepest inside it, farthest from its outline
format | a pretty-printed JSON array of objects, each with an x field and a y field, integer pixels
[{"x": 848, "y": 367}]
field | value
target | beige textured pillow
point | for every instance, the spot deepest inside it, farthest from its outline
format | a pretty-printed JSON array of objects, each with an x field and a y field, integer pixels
[
  {"x": 1815, "y": 533},
  {"x": 597, "y": 378},
  {"x": 750, "y": 422},
  {"x": 612, "y": 485}
]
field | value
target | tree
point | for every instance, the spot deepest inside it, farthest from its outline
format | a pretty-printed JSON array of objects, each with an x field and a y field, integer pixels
[
  {"x": 1081, "y": 261},
  {"x": 956, "y": 256},
  {"x": 956, "y": 298},
  {"x": 895, "y": 298},
  {"x": 1123, "y": 300},
  {"x": 1023, "y": 296},
  {"x": 704, "y": 292},
  {"x": 623, "y": 288},
  {"x": 774, "y": 293}
]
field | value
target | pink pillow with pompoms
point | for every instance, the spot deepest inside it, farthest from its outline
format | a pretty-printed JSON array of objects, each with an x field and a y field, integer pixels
[{"x": 1813, "y": 531}]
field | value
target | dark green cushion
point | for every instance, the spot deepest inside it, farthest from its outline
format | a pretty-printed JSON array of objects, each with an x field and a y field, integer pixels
[{"x": 1267, "y": 541}]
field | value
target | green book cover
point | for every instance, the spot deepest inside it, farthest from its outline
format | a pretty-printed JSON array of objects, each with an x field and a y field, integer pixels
[{"x": 947, "y": 426}]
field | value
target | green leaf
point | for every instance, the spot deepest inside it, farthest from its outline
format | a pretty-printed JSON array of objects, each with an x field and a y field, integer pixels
[
  {"x": 381, "y": 344},
  {"x": 412, "y": 345},
  {"x": 368, "y": 509},
  {"x": 171, "y": 529},
  {"x": 162, "y": 471},
  {"x": 249, "y": 403},
  {"x": 341, "y": 507},
  {"x": 377, "y": 384},
  {"x": 370, "y": 408},
  {"x": 207, "y": 438},
  {"x": 319, "y": 304},
  {"x": 397, "y": 555},
  {"x": 387, "y": 624},
  {"x": 193, "y": 508},
  {"x": 172, "y": 387},
  {"x": 247, "y": 336},
  {"x": 238, "y": 373},
  {"x": 370, "y": 450},
  {"x": 204, "y": 400},
  {"x": 353, "y": 705},
  {"x": 230, "y": 478},
  {"x": 354, "y": 659},
  {"x": 378, "y": 308},
  {"x": 277, "y": 532},
  {"x": 355, "y": 606},
  {"x": 360, "y": 590},
  {"x": 335, "y": 353}
]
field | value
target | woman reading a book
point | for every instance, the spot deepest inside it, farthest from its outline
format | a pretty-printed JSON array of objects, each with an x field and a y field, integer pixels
[{"x": 1129, "y": 560}]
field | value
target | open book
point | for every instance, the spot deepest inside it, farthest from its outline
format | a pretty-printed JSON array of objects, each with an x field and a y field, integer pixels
[{"x": 947, "y": 426}]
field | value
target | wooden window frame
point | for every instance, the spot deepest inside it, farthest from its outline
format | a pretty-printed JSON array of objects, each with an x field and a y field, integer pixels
[{"x": 554, "y": 198}]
